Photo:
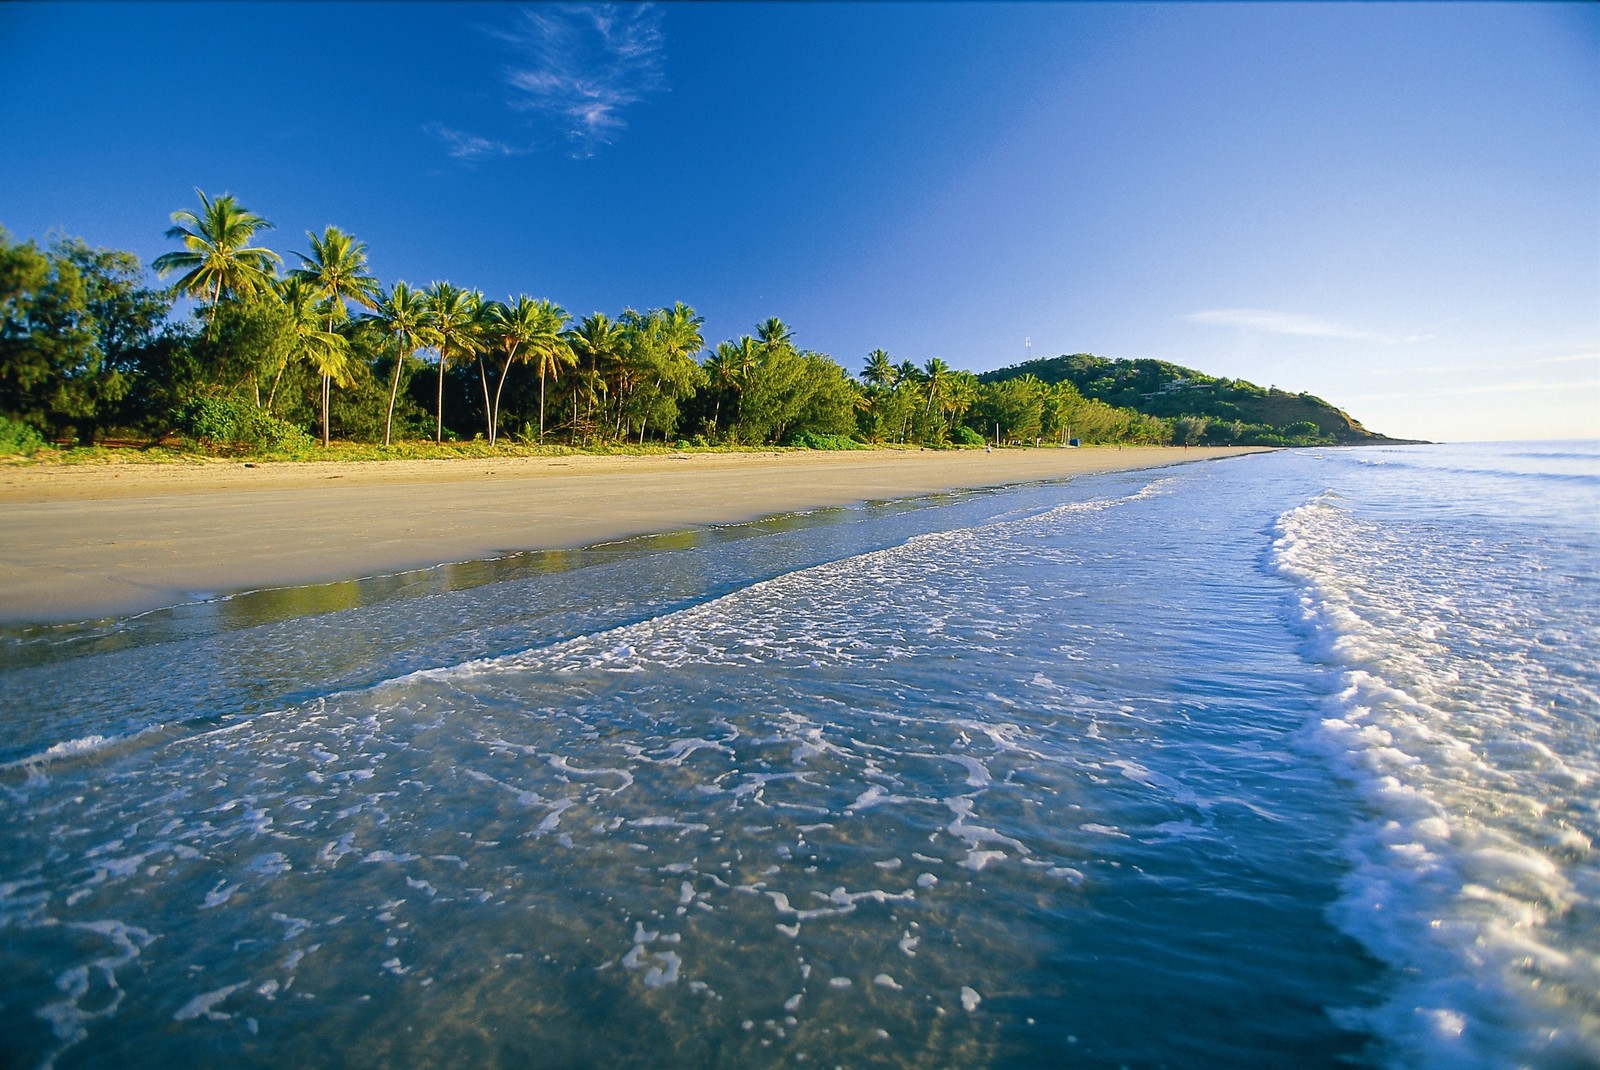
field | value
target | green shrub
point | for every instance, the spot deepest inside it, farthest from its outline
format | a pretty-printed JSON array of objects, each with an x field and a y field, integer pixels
[
  {"x": 813, "y": 440},
  {"x": 966, "y": 436},
  {"x": 229, "y": 422},
  {"x": 18, "y": 438},
  {"x": 209, "y": 419},
  {"x": 267, "y": 432}
]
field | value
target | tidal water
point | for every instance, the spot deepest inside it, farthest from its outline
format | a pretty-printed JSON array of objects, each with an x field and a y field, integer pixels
[{"x": 1288, "y": 760}]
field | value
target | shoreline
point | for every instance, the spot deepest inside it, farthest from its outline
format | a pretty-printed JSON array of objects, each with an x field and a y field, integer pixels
[{"x": 88, "y": 543}]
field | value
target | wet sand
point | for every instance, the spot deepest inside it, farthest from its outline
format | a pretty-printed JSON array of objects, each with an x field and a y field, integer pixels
[{"x": 80, "y": 543}]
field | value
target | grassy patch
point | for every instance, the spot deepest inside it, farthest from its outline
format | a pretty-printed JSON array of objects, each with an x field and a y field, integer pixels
[{"x": 184, "y": 452}]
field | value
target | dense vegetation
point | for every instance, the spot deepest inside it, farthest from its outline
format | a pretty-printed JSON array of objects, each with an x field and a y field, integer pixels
[
  {"x": 276, "y": 361},
  {"x": 1202, "y": 408}
]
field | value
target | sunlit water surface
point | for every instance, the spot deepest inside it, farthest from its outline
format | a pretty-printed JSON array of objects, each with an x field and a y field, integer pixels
[{"x": 1285, "y": 760}]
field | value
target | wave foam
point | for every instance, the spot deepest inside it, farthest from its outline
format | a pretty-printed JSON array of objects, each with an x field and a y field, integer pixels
[{"x": 1468, "y": 876}]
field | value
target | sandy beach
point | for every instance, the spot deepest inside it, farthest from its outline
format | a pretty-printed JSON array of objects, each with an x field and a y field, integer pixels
[{"x": 80, "y": 543}]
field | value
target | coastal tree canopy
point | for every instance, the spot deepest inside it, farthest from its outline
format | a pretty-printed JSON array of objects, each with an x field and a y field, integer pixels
[
  {"x": 76, "y": 325},
  {"x": 86, "y": 345}
]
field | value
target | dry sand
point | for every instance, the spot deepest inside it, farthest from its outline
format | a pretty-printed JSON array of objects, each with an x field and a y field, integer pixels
[{"x": 78, "y": 543}]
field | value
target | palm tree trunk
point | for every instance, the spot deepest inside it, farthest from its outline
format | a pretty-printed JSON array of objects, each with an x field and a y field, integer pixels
[
  {"x": 541, "y": 401},
  {"x": 394, "y": 391},
  {"x": 272, "y": 395},
  {"x": 438, "y": 431},
  {"x": 488, "y": 414},
  {"x": 327, "y": 390},
  {"x": 590, "y": 424},
  {"x": 216, "y": 299},
  {"x": 646, "y": 420},
  {"x": 505, "y": 373}
]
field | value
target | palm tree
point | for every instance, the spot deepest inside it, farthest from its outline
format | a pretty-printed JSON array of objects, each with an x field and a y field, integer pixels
[
  {"x": 484, "y": 315},
  {"x": 506, "y": 326},
  {"x": 404, "y": 317},
  {"x": 218, "y": 258},
  {"x": 337, "y": 267},
  {"x": 747, "y": 358},
  {"x": 936, "y": 374},
  {"x": 529, "y": 330},
  {"x": 907, "y": 378},
  {"x": 327, "y": 352},
  {"x": 775, "y": 334},
  {"x": 602, "y": 341},
  {"x": 680, "y": 332},
  {"x": 548, "y": 347},
  {"x": 749, "y": 354},
  {"x": 879, "y": 375},
  {"x": 671, "y": 338},
  {"x": 960, "y": 395},
  {"x": 337, "y": 264},
  {"x": 724, "y": 369},
  {"x": 879, "y": 369},
  {"x": 451, "y": 331}
]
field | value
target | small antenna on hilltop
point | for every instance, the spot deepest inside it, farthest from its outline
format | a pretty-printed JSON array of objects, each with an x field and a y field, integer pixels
[{"x": 1027, "y": 345}]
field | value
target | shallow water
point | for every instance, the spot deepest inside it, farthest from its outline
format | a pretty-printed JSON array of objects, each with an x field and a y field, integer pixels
[{"x": 1228, "y": 764}]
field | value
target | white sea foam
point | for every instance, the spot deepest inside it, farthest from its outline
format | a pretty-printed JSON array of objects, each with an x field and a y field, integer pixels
[
  {"x": 36, "y": 765},
  {"x": 90, "y": 991},
  {"x": 977, "y": 773},
  {"x": 1477, "y": 860},
  {"x": 389, "y": 857},
  {"x": 71, "y": 747},
  {"x": 741, "y": 628},
  {"x": 205, "y": 1004}
]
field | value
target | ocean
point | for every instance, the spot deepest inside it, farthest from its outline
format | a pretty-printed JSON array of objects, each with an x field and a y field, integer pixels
[{"x": 1285, "y": 760}]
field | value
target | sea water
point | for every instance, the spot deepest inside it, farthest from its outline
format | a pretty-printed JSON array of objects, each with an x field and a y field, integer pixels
[{"x": 1285, "y": 760}]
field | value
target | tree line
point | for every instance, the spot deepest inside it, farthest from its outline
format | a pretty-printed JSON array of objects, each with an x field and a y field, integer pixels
[
  {"x": 1204, "y": 408},
  {"x": 278, "y": 357}
]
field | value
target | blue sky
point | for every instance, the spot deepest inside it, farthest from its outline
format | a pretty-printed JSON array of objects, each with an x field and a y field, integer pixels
[{"x": 1393, "y": 206}]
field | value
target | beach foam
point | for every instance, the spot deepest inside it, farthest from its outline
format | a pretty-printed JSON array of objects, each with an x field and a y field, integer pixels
[{"x": 1469, "y": 734}]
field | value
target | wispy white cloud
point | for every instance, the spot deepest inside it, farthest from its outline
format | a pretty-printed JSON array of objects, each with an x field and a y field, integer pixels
[
  {"x": 1526, "y": 387},
  {"x": 1479, "y": 361},
  {"x": 1571, "y": 358},
  {"x": 465, "y": 146},
  {"x": 1519, "y": 386},
  {"x": 581, "y": 66},
  {"x": 1294, "y": 323}
]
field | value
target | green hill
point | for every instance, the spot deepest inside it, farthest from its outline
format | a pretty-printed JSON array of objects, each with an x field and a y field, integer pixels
[{"x": 1219, "y": 410}]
